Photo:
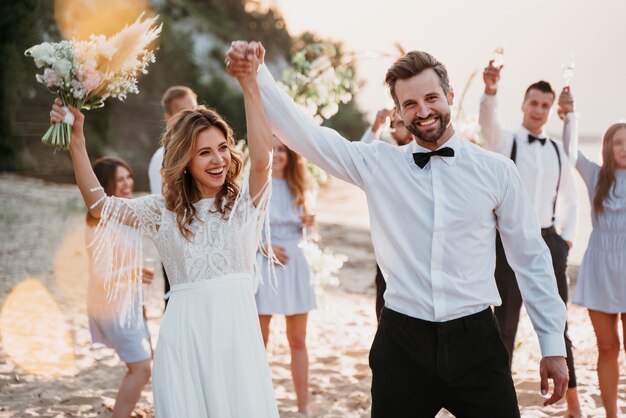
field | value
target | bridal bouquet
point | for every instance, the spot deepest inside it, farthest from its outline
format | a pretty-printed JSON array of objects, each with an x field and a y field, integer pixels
[
  {"x": 325, "y": 265},
  {"x": 84, "y": 73}
]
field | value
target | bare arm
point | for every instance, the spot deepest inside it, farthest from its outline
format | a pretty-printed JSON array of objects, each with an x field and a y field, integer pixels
[
  {"x": 90, "y": 188},
  {"x": 258, "y": 126}
]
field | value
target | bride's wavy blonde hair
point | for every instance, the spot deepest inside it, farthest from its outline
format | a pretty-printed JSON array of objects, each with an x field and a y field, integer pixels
[{"x": 179, "y": 144}]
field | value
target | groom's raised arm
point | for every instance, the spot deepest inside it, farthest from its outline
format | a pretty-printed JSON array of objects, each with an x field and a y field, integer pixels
[{"x": 351, "y": 162}]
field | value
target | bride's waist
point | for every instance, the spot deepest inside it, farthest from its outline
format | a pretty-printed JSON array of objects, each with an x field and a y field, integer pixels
[{"x": 218, "y": 281}]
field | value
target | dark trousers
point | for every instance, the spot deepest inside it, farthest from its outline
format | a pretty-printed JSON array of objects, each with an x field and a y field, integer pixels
[
  {"x": 419, "y": 367},
  {"x": 381, "y": 286},
  {"x": 166, "y": 285},
  {"x": 508, "y": 313}
]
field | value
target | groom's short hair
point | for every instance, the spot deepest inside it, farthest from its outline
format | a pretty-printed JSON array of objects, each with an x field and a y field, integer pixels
[{"x": 412, "y": 64}]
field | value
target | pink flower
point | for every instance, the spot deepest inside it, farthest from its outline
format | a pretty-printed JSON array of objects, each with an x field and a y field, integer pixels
[
  {"x": 89, "y": 77},
  {"x": 51, "y": 78}
]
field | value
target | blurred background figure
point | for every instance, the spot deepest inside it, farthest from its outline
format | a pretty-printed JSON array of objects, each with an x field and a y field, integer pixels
[
  {"x": 291, "y": 224},
  {"x": 547, "y": 177},
  {"x": 130, "y": 342},
  {"x": 601, "y": 287},
  {"x": 175, "y": 99}
]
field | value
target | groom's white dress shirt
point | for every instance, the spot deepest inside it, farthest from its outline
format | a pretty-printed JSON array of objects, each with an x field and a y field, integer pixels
[{"x": 433, "y": 229}]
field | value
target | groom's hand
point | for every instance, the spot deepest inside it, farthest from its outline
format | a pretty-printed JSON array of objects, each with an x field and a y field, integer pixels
[{"x": 553, "y": 368}]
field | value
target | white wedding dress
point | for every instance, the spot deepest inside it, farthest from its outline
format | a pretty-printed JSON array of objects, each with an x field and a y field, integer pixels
[{"x": 209, "y": 361}]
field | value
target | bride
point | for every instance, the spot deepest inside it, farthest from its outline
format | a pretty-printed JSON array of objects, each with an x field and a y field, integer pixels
[{"x": 209, "y": 360}]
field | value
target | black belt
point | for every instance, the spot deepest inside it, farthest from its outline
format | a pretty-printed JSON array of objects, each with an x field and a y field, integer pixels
[
  {"x": 548, "y": 231},
  {"x": 464, "y": 322}
]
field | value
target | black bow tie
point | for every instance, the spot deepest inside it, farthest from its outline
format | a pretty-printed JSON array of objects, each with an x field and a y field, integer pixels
[
  {"x": 422, "y": 158},
  {"x": 532, "y": 138}
]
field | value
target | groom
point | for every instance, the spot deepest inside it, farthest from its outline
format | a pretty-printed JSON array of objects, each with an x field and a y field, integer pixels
[{"x": 435, "y": 205}]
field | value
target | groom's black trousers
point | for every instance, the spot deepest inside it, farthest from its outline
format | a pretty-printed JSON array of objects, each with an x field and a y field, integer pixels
[{"x": 420, "y": 367}]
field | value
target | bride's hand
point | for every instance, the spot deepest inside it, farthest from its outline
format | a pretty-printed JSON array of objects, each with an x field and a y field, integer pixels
[{"x": 57, "y": 115}]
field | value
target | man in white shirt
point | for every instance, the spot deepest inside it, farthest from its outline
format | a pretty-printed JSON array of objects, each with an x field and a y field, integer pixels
[
  {"x": 175, "y": 99},
  {"x": 400, "y": 135},
  {"x": 434, "y": 206},
  {"x": 547, "y": 177}
]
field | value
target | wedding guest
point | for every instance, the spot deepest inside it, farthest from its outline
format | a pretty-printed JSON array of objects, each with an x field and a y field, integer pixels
[
  {"x": 400, "y": 135},
  {"x": 132, "y": 344},
  {"x": 435, "y": 205},
  {"x": 209, "y": 359},
  {"x": 175, "y": 99},
  {"x": 601, "y": 285},
  {"x": 548, "y": 180},
  {"x": 291, "y": 221}
]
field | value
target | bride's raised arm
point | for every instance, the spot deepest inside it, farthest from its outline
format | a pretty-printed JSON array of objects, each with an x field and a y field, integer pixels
[
  {"x": 90, "y": 188},
  {"x": 257, "y": 124}
]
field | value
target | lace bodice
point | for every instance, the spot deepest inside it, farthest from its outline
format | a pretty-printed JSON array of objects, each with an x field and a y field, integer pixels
[{"x": 218, "y": 246}]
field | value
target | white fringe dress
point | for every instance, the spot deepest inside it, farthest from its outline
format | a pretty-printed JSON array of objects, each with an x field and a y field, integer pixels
[{"x": 209, "y": 360}]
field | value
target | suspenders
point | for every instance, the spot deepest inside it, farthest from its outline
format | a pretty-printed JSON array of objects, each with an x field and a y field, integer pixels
[{"x": 558, "y": 157}]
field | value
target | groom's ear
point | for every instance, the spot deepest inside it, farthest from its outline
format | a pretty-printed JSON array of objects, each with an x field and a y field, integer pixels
[{"x": 451, "y": 97}]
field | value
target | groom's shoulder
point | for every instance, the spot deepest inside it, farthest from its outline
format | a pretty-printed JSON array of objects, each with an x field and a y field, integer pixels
[{"x": 488, "y": 157}]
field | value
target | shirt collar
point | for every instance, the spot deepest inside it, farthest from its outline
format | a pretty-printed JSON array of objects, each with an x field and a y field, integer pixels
[
  {"x": 522, "y": 133},
  {"x": 455, "y": 142}
]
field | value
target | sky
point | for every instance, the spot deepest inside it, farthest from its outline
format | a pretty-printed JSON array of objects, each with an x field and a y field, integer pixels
[{"x": 538, "y": 37}]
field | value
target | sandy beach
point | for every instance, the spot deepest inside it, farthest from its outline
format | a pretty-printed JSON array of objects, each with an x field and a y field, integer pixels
[{"x": 48, "y": 368}]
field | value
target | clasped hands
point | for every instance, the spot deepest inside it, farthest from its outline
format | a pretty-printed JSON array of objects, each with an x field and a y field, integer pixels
[{"x": 243, "y": 59}]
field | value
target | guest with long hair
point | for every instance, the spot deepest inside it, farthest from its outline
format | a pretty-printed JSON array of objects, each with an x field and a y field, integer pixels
[
  {"x": 132, "y": 344},
  {"x": 601, "y": 285},
  {"x": 290, "y": 218}
]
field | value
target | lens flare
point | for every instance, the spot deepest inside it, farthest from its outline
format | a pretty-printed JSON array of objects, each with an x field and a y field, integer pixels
[
  {"x": 34, "y": 331},
  {"x": 81, "y": 18}
]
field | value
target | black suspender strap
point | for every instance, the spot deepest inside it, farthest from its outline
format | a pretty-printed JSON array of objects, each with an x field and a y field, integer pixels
[
  {"x": 558, "y": 182},
  {"x": 514, "y": 150}
]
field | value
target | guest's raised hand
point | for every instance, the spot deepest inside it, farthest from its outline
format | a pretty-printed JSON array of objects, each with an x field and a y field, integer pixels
[
  {"x": 381, "y": 117},
  {"x": 566, "y": 102},
  {"x": 553, "y": 368},
  {"x": 491, "y": 77}
]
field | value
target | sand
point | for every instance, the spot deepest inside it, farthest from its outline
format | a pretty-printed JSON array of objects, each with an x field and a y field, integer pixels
[{"x": 48, "y": 368}]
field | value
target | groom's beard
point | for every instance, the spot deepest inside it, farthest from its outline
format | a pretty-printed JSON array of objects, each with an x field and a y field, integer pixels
[{"x": 432, "y": 135}]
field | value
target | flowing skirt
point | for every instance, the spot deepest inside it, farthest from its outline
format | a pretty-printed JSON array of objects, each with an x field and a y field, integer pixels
[{"x": 210, "y": 361}]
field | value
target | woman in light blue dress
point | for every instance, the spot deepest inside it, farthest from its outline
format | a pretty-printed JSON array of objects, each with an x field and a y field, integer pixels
[
  {"x": 131, "y": 343},
  {"x": 294, "y": 296},
  {"x": 601, "y": 286}
]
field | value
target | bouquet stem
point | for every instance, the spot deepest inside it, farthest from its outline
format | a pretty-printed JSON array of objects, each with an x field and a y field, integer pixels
[{"x": 59, "y": 134}]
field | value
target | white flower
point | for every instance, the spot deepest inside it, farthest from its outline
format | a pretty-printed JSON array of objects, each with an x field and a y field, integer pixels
[
  {"x": 43, "y": 54},
  {"x": 329, "y": 110},
  {"x": 51, "y": 78},
  {"x": 77, "y": 89},
  {"x": 63, "y": 67}
]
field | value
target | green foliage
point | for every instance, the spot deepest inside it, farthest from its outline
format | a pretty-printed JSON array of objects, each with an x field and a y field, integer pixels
[{"x": 131, "y": 129}]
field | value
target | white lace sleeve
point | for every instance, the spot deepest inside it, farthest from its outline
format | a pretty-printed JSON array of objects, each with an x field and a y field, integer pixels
[
  {"x": 253, "y": 222},
  {"x": 110, "y": 247}
]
